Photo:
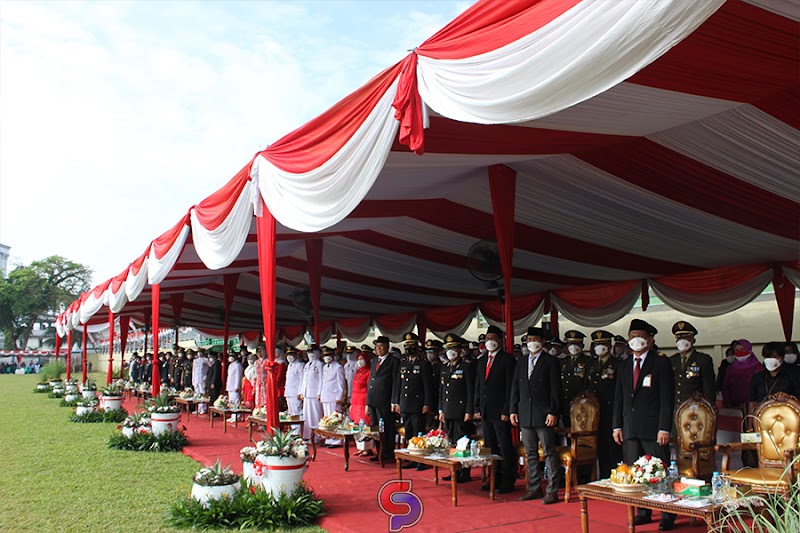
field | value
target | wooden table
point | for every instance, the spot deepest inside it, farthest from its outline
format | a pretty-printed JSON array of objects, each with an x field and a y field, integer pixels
[
  {"x": 347, "y": 436},
  {"x": 186, "y": 402},
  {"x": 224, "y": 412},
  {"x": 451, "y": 463},
  {"x": 708, "y": 514},
  {"x": 260, "y": 421}
]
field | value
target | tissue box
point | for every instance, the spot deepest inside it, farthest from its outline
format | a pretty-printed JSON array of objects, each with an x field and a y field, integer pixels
[
  {"x": 691, "y": 490},
  {"x": 461, "y": 453}
]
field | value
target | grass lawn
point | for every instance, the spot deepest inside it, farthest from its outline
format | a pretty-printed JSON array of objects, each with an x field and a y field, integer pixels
[{"x": 56, "y": 475}]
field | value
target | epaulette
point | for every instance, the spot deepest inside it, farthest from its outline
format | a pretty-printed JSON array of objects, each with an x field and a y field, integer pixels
[{"x": 662, "y": 354}]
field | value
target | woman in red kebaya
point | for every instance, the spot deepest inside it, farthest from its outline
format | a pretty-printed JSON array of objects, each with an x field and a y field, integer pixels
[
  {"x": 248, "y": 391},
  {"x": 358, "y": 400}
]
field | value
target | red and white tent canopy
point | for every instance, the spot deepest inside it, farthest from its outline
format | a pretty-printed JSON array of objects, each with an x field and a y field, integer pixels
[{"x": 607, "y": 146}]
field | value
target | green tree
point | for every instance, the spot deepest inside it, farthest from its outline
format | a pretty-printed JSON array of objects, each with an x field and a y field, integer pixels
[{"x": 31, "y": 292}]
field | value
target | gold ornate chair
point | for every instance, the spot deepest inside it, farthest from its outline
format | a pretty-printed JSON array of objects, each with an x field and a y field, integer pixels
[
  {"x": 696, "y": 427},
  {"x": 584, "y": 414},
  {"x": 778, "y": 422}
]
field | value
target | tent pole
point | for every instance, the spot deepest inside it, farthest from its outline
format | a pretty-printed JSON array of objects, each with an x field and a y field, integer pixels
[
  {"x": 502, "y": 185},
  {"x": 110, "y": 375},
  {"x": 84, "y": 367},
  {"x": 69, "y": 354},
  {"x": 58, "y": 345},
  {"x": 124, "y": 325},
  {"x": 155, "y": 386},
  {"x": 265, "y": 225}
]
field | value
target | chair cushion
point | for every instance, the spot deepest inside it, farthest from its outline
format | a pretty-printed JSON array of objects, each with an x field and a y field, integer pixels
[
  {"x": 759, "y": 476},
  {"x": 706, "y": 468}
]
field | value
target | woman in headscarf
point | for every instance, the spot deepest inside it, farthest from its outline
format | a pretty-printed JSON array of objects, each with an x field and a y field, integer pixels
[
  {"x": 736, "y": 383},
  {"x": 248, "y": 383},
  {"x": 358, "y": 398}
]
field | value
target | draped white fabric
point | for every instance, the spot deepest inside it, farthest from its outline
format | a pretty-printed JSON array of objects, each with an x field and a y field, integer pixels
[
  {"x": 713, "y": 304},
  {"x": 60, "y": 328},
  {"x": 599, "y": 44},
  {"x": 459, "y": 329},
  {"x": 317, "y": 199},
  {"x": 355, "y": 334},
  {"x": 219, "y": 247},
  {"x": 251, "y": 343},
  {"x": 521, "y": 325},
  {"x": 601, "y": 316},
  {"x": 157, "y": 269},
  {"x": 295, "y": 341},
  {"x": 134, "y": 283},
  {"x": 92, "y": 305},
  {"x": 116, "y": 301}
]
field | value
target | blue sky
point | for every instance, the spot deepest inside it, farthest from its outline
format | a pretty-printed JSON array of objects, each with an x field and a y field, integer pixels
[{"x": 116, "y": 117}]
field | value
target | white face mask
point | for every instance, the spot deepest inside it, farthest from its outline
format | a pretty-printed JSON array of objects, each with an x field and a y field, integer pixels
[
  {"x": 574, "y": 349},
  {"x": 742, "y": 359},
  {"x": 637, "y": 344},
  {"x": 683, "y": 345},
  {"x": 525, "y": 350},
  {"x": 534, "y": 346},
  {"x": 553, "y": 352},
  {"x": 290, "y": 358},
  {"x": 452, "y": 355},
  {"x": 601, "y": 350},
  {"x": 432, "y": 357},
  {"x": 361, "y": 363},
  {"x": 231, "y": 359},
  {"x": 790, "y": 358},
  {"x": 772, "y": 363},
  {"x": 491, "y": 346},
  {"x": 730, "y": 358},
  {"x": 327, "y": 358}
]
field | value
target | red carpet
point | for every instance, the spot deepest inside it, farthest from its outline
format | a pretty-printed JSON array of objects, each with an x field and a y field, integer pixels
[{"x": 351, "y": 497}]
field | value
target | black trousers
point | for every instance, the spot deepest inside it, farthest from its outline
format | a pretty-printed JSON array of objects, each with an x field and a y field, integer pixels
[
  {"x": 531, "y": 438},
  {"x": 497, "y": 436},
  {"x": 385, "y": 412},
  {"x": 632, "y": 449},
  {"x": 414, "y": 424},
  {"x": 609, "y": 453},
  {"x": 457, "y": 428}
]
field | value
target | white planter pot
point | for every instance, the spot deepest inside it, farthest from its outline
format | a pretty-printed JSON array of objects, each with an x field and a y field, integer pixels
[
  {"x": 56, "y": 383},
  {"x": 58, "y": 390},
  {"x": 71, "y": 388},
  {"x": 110, "y": 403},
  {"x": 89, "y": 394},
  {"x": 163, "y": 422},
  {"x": 249, "y": 473},
  {"x": 280, "y": 474},
  {"x": 83, "y": 410},
  {"x": 204, "y": 494},
  {"x": 42, "y": 386},
  {"x": 71, "y": 397}
]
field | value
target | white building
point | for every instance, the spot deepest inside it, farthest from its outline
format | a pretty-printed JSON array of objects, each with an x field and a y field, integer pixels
[{"x": 4, "y": 253}]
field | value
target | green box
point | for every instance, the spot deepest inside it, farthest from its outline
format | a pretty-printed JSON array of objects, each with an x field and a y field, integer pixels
[
  {"x": 461, "y": 453},
  {"x": 692, "y": 490}
]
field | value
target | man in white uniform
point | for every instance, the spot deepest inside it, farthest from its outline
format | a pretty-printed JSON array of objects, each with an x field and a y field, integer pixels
[
  {"x": 294, "y": 380},
  {"x": 350, "y": 368},
  {"x": 199, "y": 372},
  {"x": 334, "y": 388},
  {"x": 310, "y": 392},
  {"x": 234, "y": 383}
]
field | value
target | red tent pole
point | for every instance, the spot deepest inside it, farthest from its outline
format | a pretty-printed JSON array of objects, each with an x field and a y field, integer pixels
[
  {"x": 58, "y": 345},
  {"x": 84, "y": 367},
  {"x": 265, "y": 225},
  {"x": 110, "y": 375},
  {"x": 155, "y": 386},
  {"x": 422, "y": 330},
  {"x": 314, "y": 262},
  {"x": 784, "y": 297},
  {"x": 502, "y": 185},
  {"x": 69, "y": 354},
  {"x": 124, "y": 325}
]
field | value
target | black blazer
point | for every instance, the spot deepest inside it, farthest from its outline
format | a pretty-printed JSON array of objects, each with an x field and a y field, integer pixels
[
  {"x": 457, "y": 385},
  {"x": 535, "y": 398},
  {"x": 492, "y": 395},
  {"x": 381, "y": 382},
  {"x": 214, "y": 376},
  {"x": 641, "y": 414}
]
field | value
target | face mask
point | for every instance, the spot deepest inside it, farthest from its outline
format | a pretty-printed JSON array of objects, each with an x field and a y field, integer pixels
[
  {"x": 361, "y": 363},
  {"x": 772, "y": 363},
  {"x": 730, "y": 358},
  {"x": 683, "y": 345},
  {"x": 525, "y": 350},
  {"x": 432, "y": 357},
  {"x": 327, "y": 358},
  {"x": 790, "y": 358},
  {"x": 741, "y": 358},
  {"x": 290, "y": 358},
  {"x": 553, "y": 352},
  {"x": 601, "y": 350},
  {"x": 312, "y": 357},
  {"x": 491, "y": 346},
  {"x": 574, "y": 349},
  {"x": 231, "y": 359},
  {"x": 452, "y": 355},
  {"x": 534, "y": 346},
  {"x": 637, "y": 344}
]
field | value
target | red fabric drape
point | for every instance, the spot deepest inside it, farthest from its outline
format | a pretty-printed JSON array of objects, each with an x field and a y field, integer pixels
[
  {"x": 422, "y": 329},
  {"x": 155, "y": 293},
  {"x": 292, "y": 332},
  {"x": 503, "y": 185},
  {"x": 443, "y": 318},
  {"x": 229, "y": 290},
  {"x": 58, "y": 345},
  {"x": 164, "y": 242},
  {"x": 408, "y": 107},
  {"x": 594, "y": 296},
  {"x": 314, "y": 262},
  {"x": 176, "y": 302},
  {"x": 521, "y": 306},
  {"x": 265, "y": 225},
  {"x": 784, "y": 297},
  {"x": 124, "y": 326},
  {"x": 716, "y": 280},
  {"x": 394, "y": 322},
  {"x": 69, "y": 354},
  {"x": 554, "y": 323},
  {"x": 84, "y": 366},
  {"x": 213, "y": 211},
  {"x": 110, "y": 375}
]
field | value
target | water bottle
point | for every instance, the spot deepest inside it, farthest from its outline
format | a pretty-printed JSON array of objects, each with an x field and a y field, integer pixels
[
  {"x": 673, "y": 475},
  {"x": 473, "y": 448},
  {"x": 381, "y": 427},
  {"x": 361, "y": 425},
  {"x": 716, "y": 487}
]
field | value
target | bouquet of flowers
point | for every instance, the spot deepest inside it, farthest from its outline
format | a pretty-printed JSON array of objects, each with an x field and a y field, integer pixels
[
  {"x": 215, "y": 476},
  {"x": 186, "y": 394},
  {"x": 222, "y": 402},
  {"x": 437, "y": 439},
  {"x": 260, "y": 412},
  {"x": 332, "y": 420},
  {"x": 648, "y": 470},
  {"x": 282, "y": 444},
  {"x": 248, "y": 454}
]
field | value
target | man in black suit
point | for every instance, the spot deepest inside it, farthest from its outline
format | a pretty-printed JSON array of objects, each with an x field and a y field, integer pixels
[
  {"x": 494, "y": 374},
  {"x": 214, "y": 377},
  {"x": 643, "y": 406},
  {"x": 384, "y": 373},
  {"x": 535, "y": 394}
]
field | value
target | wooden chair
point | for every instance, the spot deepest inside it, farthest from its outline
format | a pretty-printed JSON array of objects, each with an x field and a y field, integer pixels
[
  {"x": 584, "y": 414},
  {"x": 696, "y": 427},
  {"x": 778, "y": 422}
]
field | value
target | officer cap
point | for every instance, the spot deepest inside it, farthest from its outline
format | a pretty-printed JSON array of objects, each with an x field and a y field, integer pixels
[
  {"x": 453, "y": 341},
  {"x": 410, "y": 339},
  {"x": 602, "y": 335},
  {"x": 382, "y": 339},
  {"x": 536, "y": 332},
  {"x": 574, "y": 335},
  {"x": 683, "y": 328}
]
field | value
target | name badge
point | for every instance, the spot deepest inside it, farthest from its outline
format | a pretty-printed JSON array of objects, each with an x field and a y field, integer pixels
[
  {"x": 580, "y": 371},
  {"x": 647, "y": 381}
]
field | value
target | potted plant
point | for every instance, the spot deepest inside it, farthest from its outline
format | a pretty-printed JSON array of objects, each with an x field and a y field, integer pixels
[
  {"x": 89, "y": 389},
  {"x": 43, "y": 386},
  {"x": 213, "y": 483},
  {"x": 136, "y": 423},
  {"x": 87, "y": 405},
  {"x": 281, "y": 462},
  {"x": 248, "y": 456},
  {"x": 71, "y": 387},
  {"x": 164, "y": 414},
  {"x": 71, "y": 395},
  {"x": 111, "y": 398}
]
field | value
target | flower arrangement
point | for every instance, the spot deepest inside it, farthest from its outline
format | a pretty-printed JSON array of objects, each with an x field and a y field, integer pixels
[
  {"x": 222, "y": 402},
  {"x": 90, "y": 385},
  {"x": 87, "y": 402},
  {"x": 281, "y": 444},
  {"x": 137, "y": 421},
  {"x": 113, "y": 391},
  {"x": 162, "y": 404},
  {"x": 260, "y": 412},
  {"x": 334, "y": 419},
  {"x": 437, "y": 439},
  {"x": 645, "y": 470},
  {"x": 215, "y": 475},
  {"x": 186, "y": 394},
  {"x": 248, "y": 454}
]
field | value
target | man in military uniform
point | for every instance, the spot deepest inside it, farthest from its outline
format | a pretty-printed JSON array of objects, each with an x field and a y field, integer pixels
[
  {"x": 412, "y": 397},
  {"x": 694, "y": 371},
  {"x": 456, "y": 389},
  {"x": 603, "y": 382},
  {"x": 433, "y": 348},
  {"x": 554, "y": 347},
  {"x": 621, "y": 350},
  {"x": 574, "y": 372}
]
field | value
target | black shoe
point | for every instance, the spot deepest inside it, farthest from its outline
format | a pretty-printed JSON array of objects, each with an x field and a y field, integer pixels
[
  {"x": 505, "y": 490},
  {"x": 409, "y": 465},
  {"x": 531, "y": 496},
  {"x": 485, "y": 487},
  {"x": 463, "y": 476},
  {"x": 421, "y": 466},
  {"x": 448, "y": 478},
  {"x": 374, "y": 459},
  {"x": 666, "y": 525},
  {"x": 641, "y": 520},
  {"x": 550, "y": 498}
]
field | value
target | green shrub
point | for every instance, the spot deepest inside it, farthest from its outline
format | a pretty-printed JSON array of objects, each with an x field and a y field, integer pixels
[
  {"x": 113, "y": 415},
  {"x": 52, "y": 394},
  {"x": 73, "y": 403},
  {"x": 169, "y": 441},
  {"x": 42, "y": 391},
  {"x": 52, "y": 371}
]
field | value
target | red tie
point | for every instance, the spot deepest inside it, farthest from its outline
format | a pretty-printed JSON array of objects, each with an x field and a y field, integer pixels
[
  {"x": 488, "y": 367},
  {"x": 378, "y": 365},
  {"x": 637, "y": 368}
]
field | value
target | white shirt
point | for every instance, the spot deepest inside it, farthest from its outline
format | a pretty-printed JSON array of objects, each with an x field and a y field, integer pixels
[
  {"x": 532, "y": 359},
  {"x": 640, "y": 362}
]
